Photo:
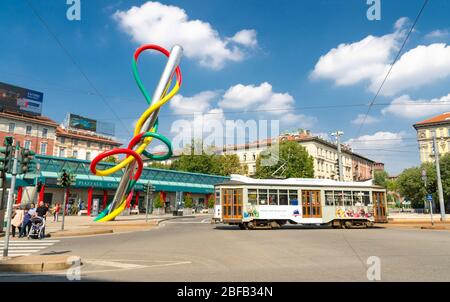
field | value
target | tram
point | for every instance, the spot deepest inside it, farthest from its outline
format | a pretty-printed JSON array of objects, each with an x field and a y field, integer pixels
[{"x": 271, "y": 203}]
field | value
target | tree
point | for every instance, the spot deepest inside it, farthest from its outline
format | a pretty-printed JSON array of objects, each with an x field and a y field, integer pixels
[
  {"x": 157, "y": 202},
  {"x": 110, "y": 159},
  {"x": 188, "y": 201},
  {"x": 380, "y": 178},
  {"x": 230, "y": 164},
  {"x": 189, "y": 161},
  {"x": 294, "y": 158},
  {"x": 211, "y": 201}
]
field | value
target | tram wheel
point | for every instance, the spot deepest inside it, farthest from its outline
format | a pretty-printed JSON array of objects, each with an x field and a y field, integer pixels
[
  {"x": 274, "y": 225},
  {"x": 250, "y": 225},
  {"x": 348, "y": 224},
  {"x": 243, "y": 226}
]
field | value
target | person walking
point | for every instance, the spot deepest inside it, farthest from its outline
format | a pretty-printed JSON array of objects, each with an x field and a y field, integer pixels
[
  {"x": 32, "y": 210},
  {"x": 17, "y": 221},
  {"x": 56, "y": 210},
  {"x": 41, "y": 211},
  {"x": 26, "y": 224}
]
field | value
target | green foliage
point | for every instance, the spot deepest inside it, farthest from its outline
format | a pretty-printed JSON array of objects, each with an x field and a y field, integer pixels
[
  {"x": 230, "y": 164},
  {"x": 159, "y": 165},
  {"x": 157, "y": 200},
  {"x": 411, "y": 186},
  {"x": 297, "y": 162},
  {"x": 110, "y": 159},
  {"x": 188, "y": 201},
  {"x": 211, "y": 201},
  {"x": 380, "y": 178}
]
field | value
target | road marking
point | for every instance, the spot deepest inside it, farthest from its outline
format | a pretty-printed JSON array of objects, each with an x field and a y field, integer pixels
[
  {"x": 114, "y": 264},
  {"x": 26, "y": 248}
]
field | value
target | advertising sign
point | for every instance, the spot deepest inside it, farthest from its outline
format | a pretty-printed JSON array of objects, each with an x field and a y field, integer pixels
[
  {"x": 80, "y": 122},
  {"x": 105, "y": 128},
  {"x": 18, "y": 99}
]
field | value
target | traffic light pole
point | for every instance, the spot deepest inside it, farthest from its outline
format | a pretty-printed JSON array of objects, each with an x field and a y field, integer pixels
[
  {"x": 147, "y": 201},
  {"x": 64, "y": 209},
  {"x": 10, "y": 202},
  {"x": 438, "y": 178}
]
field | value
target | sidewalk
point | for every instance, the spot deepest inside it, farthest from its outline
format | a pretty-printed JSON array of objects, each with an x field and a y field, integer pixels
[{"x": 85, "y": 225}]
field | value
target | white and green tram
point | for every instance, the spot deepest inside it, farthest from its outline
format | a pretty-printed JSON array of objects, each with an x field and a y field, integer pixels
[{"x": 271, "y": 203}]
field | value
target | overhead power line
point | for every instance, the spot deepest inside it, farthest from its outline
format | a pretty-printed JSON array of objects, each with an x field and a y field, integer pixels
[{"x": 392, "y": 65}]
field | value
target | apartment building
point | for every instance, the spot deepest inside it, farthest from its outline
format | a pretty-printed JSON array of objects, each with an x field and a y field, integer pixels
[
  {"x": 440, "y": 125},
  {"x": 37, "y": 133}
]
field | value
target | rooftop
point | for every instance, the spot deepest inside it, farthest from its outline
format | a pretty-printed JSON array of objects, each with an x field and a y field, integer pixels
[
  {"x": 441, "y": 118},
  {"x": 38, "y": 119},
  {"x": 81, "y": 135}
]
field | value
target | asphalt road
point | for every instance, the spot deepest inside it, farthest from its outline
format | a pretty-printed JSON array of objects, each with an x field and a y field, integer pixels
[{"x": 191, "y": 249}]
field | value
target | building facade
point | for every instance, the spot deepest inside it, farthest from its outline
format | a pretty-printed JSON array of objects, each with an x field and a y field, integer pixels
[
  {"x": 81, "y": 144},
  {"x": 441, "y": 126},
  {"x": 37, "y": 133}
]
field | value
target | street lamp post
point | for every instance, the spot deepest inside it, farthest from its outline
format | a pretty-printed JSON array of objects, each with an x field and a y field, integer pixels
[
  {"x": 338, "y": 135},
  {"x": 438, "y": 177}
]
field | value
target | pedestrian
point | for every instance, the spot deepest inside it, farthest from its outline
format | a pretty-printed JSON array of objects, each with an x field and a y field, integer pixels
[
  {"x": 41, "y": 211},
  {"x": 56, "y": 212},
  {"x": 32, "y": 210},
  {"x": 17, "y": 221},
  {"x": 26, "y": 224}
]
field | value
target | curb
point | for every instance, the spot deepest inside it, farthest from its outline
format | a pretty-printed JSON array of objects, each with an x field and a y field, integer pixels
[
  {"x": 71, "y": 233},
  {"x": 38, "y": 263}
]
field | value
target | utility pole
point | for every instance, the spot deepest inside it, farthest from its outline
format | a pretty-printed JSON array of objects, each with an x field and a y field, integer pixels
[
  {"x": 147, "y": 200},
  {"x": 424, "y": 178},
  {"x": 338, "y": 135},
  {"x": 438, "y": 177},
  {"x": 10, "y": 201}
]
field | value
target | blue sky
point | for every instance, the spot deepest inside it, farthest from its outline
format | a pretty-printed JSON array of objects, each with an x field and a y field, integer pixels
[{"x": 242, "y": 57}]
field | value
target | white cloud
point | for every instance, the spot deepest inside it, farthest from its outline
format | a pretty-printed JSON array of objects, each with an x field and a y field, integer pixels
[
  {"x": 438, "y": 34},
  {"x": 246, "y": 37},
  {"x": 406, "y": 107},
  {"x": 370, "y": 59},
  {"x": 167, "y": 25},
  {"x": 416, "y": 68},
  {"x": 262, "y": 97},
  {"x": 367, "y": 120},
  {"x": 376, "y": 141},
  {"x": 198, "y": 103},
  {"x": 352, "y": 63}
]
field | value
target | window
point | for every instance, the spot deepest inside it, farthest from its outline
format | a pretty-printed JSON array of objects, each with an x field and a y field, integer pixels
[
  {"x": 88, "y": 144},
  {"x": 61, "y": 152},
  {"x": 262, "y": 197},
  {"x": 27, "y": 145},
  {"x": 217, "y": 199},
  {"x": 254, "y": 156},
  {"x": 100, "y": 146},
  {"x": 348, "y": 198},
  {"x": 293, "y": 198},
  {"x": 28, "y": 131},
  {"x": 329, "y": 200},
  {"x": 273, "y": 197},
  {"x": 338, "y": 198},
  {"x": 44, "y": 148},
  {"x": 283, "y": 195},
  {"x": 88, "y": 155},
  {"x": 75, "y": 142},
  {"x": 245, "y": 157},
  {"x": 62, "y": 140},
  {"x": 357, "y": 198},
  {"x": 252, "y": 197},
  {"x": 366, "y": 198},
  {"x": 44, "y": 132},
  {"x": 75, "y": 154},
  {"x": 12, "y": 126}
]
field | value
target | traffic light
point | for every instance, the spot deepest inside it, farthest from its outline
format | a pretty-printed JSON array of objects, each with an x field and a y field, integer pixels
[
  {"x": 6, "y": 153},
  {"x": 27, "y": 163},
  {"x": 66, "y": 179}
]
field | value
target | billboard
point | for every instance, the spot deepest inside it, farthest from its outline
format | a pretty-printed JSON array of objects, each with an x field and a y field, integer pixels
[
  {"x": 18, "y": 99},
  {"x": 80, "y": 122}
]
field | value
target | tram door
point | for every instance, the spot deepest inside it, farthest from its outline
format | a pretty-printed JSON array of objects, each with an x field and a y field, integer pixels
[
  {"x": 311, "y": 204},
  {"x": 232, "y": 204},
  {"x": 379, "y": 206}
]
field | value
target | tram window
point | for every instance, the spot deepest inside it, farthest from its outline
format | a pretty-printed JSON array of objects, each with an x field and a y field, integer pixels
[
  {"x": 252, "y": 197},
  {"x": 366, "y": 198},
  {"x": 357, "y": 198},
  {"x": 348, "y": 198},
  {"x": 217, "y": 198},
  {"x": 293, "y": 198},
  {"x": 329, "y": 200},
  {"x": 273, "y": 197},
  {"x": 283, "y": 197},
  {"x": 262, "y": 197},
  {"x": 338, "y": 198}
]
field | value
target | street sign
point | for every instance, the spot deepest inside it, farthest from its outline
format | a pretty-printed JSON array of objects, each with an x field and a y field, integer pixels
[{"x": 430, "y": 197}]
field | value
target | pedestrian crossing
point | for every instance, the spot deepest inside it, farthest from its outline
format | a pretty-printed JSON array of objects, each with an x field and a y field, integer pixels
[{"x": 27, "y": 247}]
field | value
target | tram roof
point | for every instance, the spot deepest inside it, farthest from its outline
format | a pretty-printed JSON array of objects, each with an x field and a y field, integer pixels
[{"x": 243, "y": 180}]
